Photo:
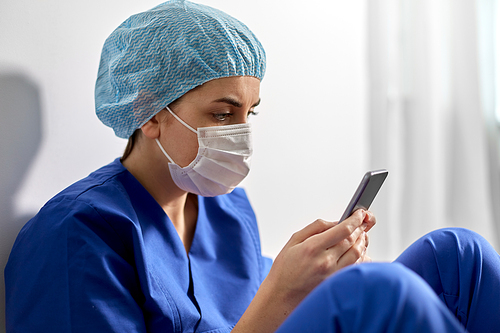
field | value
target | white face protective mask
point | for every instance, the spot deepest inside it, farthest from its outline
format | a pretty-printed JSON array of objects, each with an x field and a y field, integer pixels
[{"x": 222, "y": 162}]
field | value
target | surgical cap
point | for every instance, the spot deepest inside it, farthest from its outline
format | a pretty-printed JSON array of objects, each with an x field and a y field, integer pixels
[{"x": 155, "y": 57}]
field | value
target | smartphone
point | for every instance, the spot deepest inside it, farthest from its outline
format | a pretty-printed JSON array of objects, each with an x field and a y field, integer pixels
[{"x": 366, "y": 192}]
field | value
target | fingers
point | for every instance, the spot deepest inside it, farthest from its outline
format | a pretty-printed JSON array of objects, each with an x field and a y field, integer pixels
[
  {"x": 344, "y": 243},
  {"x": 364, "y": 257},
  {"x": 355, "y": 253},
  {"x": 370, "y": 220},
  {"x": 352, "y": 249},
  {"x": 344, "y": 232}
]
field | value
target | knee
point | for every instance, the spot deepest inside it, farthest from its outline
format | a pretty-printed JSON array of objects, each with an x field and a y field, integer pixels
[
  {"x": 462, "y": 241},
  {"x": 455, "y": 233},
  {"x": 443, "y": 254}
]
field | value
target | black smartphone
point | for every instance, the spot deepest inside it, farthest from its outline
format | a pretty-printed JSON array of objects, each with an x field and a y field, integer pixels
[{"x": 366, "y": 192}]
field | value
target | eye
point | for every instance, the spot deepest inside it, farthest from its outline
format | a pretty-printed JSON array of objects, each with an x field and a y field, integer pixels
[{"x": 222, "y": 116}]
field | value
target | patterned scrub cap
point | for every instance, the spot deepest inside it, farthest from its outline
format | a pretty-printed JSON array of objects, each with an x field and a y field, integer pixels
[{"x": 155, "y": 57}]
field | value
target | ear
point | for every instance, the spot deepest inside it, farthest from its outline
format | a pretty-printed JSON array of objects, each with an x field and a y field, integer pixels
[{"x": 151, "y": 129}]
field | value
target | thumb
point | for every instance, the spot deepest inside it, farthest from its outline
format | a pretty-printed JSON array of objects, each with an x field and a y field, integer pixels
[{"x": 314, "y": 228}]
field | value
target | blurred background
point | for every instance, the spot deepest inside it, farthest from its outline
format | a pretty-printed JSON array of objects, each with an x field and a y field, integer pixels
[{"x": 406, "y": 85}]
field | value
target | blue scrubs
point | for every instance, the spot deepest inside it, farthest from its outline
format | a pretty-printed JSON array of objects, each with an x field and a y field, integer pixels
[
  {"x": 102, "y": 256},
  {"x": 447, "y": 281}
]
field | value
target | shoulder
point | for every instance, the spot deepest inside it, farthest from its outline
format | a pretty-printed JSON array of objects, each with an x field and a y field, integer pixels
[
  {"x": 86, "y": 204},
  {"x": 92, "y": 216},
  {"x": 105, "y": 191},
  {"x": 106, "y": 178},
  {"x": 75, "y": 240}
]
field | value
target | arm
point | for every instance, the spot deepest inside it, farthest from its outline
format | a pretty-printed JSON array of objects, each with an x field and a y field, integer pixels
[
  {"x": 67, "y": 272},
  {"x": 309, "y": 257}
]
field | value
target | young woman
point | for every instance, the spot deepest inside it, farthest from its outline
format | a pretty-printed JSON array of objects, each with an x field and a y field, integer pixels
[{"x": 161, "y": 240}]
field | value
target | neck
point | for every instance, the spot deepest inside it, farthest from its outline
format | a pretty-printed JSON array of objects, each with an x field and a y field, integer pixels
[{"x": 151, "y": 170}]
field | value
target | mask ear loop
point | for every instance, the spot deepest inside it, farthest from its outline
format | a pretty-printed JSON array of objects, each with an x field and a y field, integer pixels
[
  {"x": 163, "y": 150},
  {"x": 182, "y": 121}
]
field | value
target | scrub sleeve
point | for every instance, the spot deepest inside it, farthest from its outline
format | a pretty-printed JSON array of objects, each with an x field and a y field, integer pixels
[{"x": 447, "y": 281}]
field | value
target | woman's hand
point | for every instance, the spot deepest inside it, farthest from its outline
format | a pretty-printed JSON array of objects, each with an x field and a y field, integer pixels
[
  {"x": 310, "y": 256},
  {"x": 317, "y": 251}
]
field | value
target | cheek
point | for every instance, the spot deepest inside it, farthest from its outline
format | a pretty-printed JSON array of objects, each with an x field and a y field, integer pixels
[
  {"x": 182, "y": 146},
  {"x": 189, "y": 154}
]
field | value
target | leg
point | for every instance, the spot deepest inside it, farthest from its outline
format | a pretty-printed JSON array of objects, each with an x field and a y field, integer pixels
[
  {"x": 372, "y": 298},
  {"x": 464, "y": 271}
]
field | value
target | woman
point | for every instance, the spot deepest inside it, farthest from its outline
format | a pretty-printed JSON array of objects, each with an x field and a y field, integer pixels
[{"x": 162, "y": 241}]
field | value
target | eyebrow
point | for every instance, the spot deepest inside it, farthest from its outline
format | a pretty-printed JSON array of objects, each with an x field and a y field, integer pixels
[{"x": 233, "y": 102}]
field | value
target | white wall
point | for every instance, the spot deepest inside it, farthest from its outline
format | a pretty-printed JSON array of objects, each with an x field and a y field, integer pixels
[{"x": 310, "y": 136}]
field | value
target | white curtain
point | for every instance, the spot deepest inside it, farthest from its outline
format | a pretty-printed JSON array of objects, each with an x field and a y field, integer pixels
[{"x": 430, "y": 121}]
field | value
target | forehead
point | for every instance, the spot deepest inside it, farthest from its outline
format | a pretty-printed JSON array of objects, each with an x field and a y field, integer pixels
[{"x": 244, "y": 88}]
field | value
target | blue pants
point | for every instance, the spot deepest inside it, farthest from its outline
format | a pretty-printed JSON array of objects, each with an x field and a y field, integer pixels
[{"x": 447, "y": 281}]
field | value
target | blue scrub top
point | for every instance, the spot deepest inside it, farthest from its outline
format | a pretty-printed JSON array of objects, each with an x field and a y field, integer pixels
[{"x": 102, "y": 256}]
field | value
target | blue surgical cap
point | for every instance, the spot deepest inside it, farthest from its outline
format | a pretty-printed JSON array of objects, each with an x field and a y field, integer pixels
[{"x": 155, "y": 57}]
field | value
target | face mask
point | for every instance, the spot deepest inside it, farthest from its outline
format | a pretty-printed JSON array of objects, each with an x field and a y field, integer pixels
[{"x": 222, "y": 162}]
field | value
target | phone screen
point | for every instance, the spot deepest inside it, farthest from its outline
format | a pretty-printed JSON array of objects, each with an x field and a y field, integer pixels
[{"x": 366, "y": 192}]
